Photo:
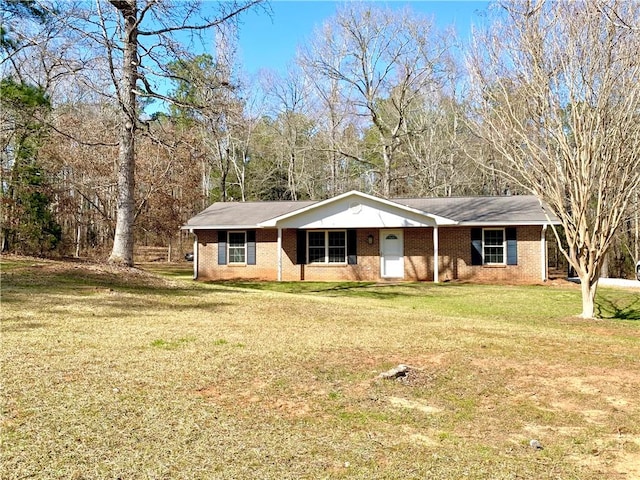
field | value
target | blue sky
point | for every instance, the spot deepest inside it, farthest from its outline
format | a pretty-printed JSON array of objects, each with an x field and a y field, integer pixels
[{"x": 271, "y": 42}]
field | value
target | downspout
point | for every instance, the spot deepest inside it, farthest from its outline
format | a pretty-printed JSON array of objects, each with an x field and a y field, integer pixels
[
  {"x": 195, "y": 254},
  {"x": 436, "y": 262},
  {"x": 543, "y": 253}
]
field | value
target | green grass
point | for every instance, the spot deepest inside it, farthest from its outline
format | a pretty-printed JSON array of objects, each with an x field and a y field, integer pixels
[
  {"x": 171, "y": 344},
  {"x": 446, "y": 298},
  {"x": 117, "y": 373}
]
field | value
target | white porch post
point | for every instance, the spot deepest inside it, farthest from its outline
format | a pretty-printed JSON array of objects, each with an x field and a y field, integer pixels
[
  {"x": 436, "y": 263},
  {"x": 543, "y": 253},
  {"x": 279, "y": 254}
]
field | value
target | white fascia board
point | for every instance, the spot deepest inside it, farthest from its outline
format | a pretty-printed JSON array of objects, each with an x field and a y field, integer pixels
[
  {"x": 354, "y": 193},
  {"x": 507, "y": 224},
  {"x": 219, "y": 227}
]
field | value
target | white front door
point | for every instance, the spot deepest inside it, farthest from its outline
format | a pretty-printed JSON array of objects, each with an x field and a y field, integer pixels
[{"x": 391, "y": 254}]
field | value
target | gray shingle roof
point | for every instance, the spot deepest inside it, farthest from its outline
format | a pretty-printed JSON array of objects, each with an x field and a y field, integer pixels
[
  {"x": 242, "y": 214},
  {"x": 508, "y": 210},
  {"x": 514, "y": 209}
]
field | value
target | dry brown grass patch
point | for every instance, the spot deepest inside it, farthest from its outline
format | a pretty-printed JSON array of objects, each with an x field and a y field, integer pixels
[{"x": 109, "y": 375}]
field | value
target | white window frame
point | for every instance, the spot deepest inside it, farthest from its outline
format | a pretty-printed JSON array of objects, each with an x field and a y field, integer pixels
[
  {"x": 229, "y": 262},
  {"x": 504, "y": 246},
  {"x": 326, "y": 247}
]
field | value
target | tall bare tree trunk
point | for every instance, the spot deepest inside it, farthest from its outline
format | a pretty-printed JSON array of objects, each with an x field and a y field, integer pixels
[
  {"x": 636, "y": 256},
  {"x": 386, "y": 171},
  {"x": 122, "y": 252}
]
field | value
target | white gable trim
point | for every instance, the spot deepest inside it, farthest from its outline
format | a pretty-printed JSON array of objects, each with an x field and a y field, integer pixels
[{"x": 374, "y": 212}]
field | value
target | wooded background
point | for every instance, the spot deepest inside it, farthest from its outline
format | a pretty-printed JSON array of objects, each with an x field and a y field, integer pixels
[{"x": 377, "y": 100}]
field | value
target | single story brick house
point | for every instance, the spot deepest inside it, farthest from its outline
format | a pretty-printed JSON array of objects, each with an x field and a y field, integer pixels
[{"x": 360, "y": 237}]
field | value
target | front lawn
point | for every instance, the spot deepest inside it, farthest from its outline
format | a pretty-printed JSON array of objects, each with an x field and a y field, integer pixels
[{"x": 118, "y": 373}]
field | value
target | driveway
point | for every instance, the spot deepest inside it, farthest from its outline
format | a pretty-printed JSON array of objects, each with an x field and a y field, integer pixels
[
  {"x": 619, "y": 282},
  {"x": 612, "y": 282}
]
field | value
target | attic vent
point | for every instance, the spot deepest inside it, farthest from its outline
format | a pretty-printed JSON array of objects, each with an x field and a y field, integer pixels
[{"x": 355, "y": 207}]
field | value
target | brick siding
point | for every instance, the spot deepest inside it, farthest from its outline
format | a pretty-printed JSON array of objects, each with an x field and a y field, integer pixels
[{"x": 454, "y": 258}]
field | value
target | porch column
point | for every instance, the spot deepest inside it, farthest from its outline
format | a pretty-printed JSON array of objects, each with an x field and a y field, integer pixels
[
  {"x": 279, "y": 254},
  {"x": 436, "y": 264},
  {"x": 543, "y": 253}
]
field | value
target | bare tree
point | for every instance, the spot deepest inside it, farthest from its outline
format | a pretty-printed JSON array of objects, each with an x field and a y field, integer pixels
[
  {"x": 288, "y": 106},
  {"x": 86, "y": 187},
  {"x": 168, "y": 21},
  {"x": 557, "y": 95},
  {"x": 131, "y": 43},
  {"x": 333, "y": 118},
  {"x": 384, "y": 60}
]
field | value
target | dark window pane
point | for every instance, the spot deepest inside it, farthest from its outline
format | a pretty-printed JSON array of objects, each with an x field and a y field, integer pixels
[
  {"x": 337, "y": 239},
  {"x": 316, "y": 239},
  {"x": 236, "y": 239},
  {"x": 237, "y": 248},
  {"x": 316, "y": 247},
  {"x": 336, "y": 255},
  {"x": 494, "y": 255},
  {"x": 337, "y": 247},
  {"x": 493, "y": 237},
  {"x": 316, "y": 255}
]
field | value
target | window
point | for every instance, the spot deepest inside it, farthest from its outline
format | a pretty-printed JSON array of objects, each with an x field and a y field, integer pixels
[
  {"x": 327, "y": 246},
  {"x": 237, "y": 247},
  {"x": 493, "y": 246},
  {"x": 337, "y": 247},
  {"x": 317, "y": 247}
]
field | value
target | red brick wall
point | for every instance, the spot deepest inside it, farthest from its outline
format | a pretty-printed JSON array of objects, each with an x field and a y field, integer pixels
[
  {"x": 454, "y": 258},
  {"x": 418, "y": 254},
  {"x": 266, "y": 258},
  {"x": 367, "y": 268}
]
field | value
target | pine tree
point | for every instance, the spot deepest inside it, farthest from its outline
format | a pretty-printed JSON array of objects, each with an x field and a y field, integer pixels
[{"x": 28, "y": 224}]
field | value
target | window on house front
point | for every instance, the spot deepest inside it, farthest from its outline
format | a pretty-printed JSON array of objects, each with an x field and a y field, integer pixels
[
  {"x": 493, "y": 246},
  {"x": 327, "y": 246},
  {"x": 237, "y": 247}
]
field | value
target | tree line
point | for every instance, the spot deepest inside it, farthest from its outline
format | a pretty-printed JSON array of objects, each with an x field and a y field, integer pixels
[{"x": 120, "y": 121}]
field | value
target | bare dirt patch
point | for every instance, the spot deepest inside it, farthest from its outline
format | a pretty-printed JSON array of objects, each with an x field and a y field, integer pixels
[{"x": 603, "y": 399}]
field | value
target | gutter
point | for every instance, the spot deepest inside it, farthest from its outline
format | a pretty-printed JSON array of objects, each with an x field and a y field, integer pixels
[{"x": 191, "y": 228}]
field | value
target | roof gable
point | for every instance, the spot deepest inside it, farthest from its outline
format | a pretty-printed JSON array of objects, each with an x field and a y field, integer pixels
[{"x": 356, "y": 210}]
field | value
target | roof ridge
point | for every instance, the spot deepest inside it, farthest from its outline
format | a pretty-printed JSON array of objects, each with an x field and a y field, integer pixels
[{"x": 462, "y": 196}]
